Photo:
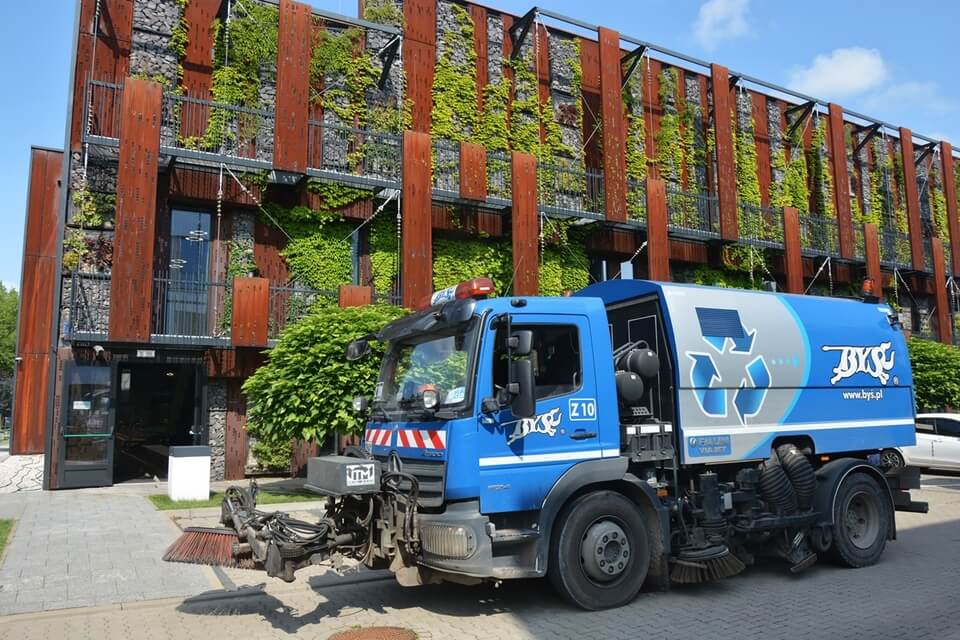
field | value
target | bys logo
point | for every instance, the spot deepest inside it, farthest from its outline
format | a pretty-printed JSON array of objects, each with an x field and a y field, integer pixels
[
  {"x": 876, "y": 362},
  {"x": 545, "y": 423}
]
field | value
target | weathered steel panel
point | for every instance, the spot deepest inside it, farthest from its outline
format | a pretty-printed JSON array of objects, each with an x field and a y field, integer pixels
[
  {"x": 614, "y": 128},
  {"x": 235, "y": 435},
  {"x": 658, "y": 239},
  {"x": 473, "y": 171},
  {"x": 31, "y": 404},
  {"x": 525, "y": 231},
  {"x": 950, "y": 193},
  {"x": 294, "y": 45},
  {"x": 131, "y": 286},
  {"x": 912, "y": 198},
  {"x": 200, "y": 184},
  {"x": 792, "y": 255},
  {"x": 871, "y": 253},
  {"x": 762, "y": 135},
  {"x": 590, "y": 64},
  {"x": 417, "y": 234},
  {"x": 420, "y": 58},
  {"x": 198, "y": 57},
  {"x": 944, "y": 328},
  {"x": 479, "y": 16},
  {"x": 268, "y": 242},
  {"x": 354, "y": 296},
  {"x": 841, "y": 181},
  {"x": 726, "y": 172},
  {"x": 251, "y": 312}
]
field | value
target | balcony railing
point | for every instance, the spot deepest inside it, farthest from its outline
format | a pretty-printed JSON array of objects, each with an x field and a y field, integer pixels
[
  {"x": 89, "y": 307},
  {"x": 566, "y": 189},
  {"x": 859, "y": 243},
  {"x": 359, "y": 156},
  {"x": 102, "y": 110},
  {"x": 894, "y": 249},
  {"x": 692, "y": 213},
  {"x": 819, "y": 236},
  {"x": 446, "y": 168},
  {"x": 190, "y": 311},
  {"x": 760, "y": 226},
  {"x": 208, "y": 130},
  {"x": 928, "y": 254},
  {"x": 289, "y": 304},
  {"x": 499, "y": 177}
]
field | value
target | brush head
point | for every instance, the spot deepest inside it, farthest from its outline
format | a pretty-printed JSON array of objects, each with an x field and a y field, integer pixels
[
  {"x": 209, "y": 546},
  {"x": 694, "y": 566}
]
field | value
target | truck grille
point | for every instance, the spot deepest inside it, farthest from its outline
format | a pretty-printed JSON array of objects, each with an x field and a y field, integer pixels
[{"x": 429, "y": 475}]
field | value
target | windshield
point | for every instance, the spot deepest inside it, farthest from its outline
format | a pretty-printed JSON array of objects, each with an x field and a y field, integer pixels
[{"x": 440, "y": 361}]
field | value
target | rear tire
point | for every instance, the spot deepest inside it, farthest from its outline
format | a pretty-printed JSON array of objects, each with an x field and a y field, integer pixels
[
  {"x": 861, "y": 516},
  {"x": 892, "y": 459},
  {"x": 599, "y": 552}
]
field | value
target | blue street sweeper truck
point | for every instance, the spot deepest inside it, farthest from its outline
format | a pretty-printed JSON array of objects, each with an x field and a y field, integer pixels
[{"x": 635, "y": 433}]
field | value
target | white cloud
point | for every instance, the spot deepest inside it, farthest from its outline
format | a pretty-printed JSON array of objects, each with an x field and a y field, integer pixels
[
  {"x": 913, "y": 96},
  {"x": 10, "y": 285},
  {"x": 840, "y": 73},
  {"x": 720, "y": 20}
]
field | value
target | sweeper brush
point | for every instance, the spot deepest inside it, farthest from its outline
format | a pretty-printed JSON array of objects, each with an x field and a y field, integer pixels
[
  {"x": 210, "y": 546},
  {"x": 705, "y": 565}
]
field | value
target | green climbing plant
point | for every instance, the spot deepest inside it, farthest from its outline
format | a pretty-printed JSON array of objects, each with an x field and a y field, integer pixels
[
  {"x": 821, "y": 177},
  {"x": 938, "y": 202},
  {"x": 636, "y": 161},
  {"x": 454, "y": 113}
]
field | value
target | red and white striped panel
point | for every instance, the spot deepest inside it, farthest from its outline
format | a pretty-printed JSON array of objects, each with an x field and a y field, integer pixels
[
  {"x": 378, "y": 437},
  {"x": 422, "y": 439}
]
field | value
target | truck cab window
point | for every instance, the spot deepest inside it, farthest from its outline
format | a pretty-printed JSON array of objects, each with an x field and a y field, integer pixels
[{"x": 555, "y": 355}]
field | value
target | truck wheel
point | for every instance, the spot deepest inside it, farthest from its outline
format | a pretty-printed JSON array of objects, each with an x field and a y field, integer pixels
[
  {"x": 891, "y": 459},
  {"x": 861, "y": 521},
  {"x": 599, "y": 554}
]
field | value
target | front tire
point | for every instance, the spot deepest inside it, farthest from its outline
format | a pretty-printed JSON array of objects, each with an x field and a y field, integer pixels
[
  {"x": 861, "y": 519},
  {"x": 599, "y": 553},
  {"x": 891, "y": 459}
]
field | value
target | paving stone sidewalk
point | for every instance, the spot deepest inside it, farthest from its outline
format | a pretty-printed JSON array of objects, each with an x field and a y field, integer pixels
[
  {"x": 79, "y": 549},
  {"x": 910, "y": 594}
]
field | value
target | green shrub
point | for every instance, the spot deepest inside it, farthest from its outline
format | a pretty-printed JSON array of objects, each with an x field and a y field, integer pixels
[
  {"x": 936, "y": 374},
  {"x": 305, "y": 389}
]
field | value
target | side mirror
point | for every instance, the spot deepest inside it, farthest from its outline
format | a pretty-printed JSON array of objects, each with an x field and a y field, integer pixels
[
  {"x": 361, "y": 404},
  {"x": 358, "y": 349},
  {"x": 521, "y": 342},
  {"x": 524, "y": 403}
]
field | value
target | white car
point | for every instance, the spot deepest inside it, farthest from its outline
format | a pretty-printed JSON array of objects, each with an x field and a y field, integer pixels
[{"x": 938, "y": 444}]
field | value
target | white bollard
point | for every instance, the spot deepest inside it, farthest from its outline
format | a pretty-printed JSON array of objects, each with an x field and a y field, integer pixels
[{"x": 188, "y": 473}]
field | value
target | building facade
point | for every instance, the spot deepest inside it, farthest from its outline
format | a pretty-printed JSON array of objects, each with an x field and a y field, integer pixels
[{"x": 230, "y": 164}]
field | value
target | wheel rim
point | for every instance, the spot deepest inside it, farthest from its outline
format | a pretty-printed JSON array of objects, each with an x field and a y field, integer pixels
[
  {"x": 862, "y": 519},
  {"x": 604, "y": 550},
  {"x": 890, "y": 459}
]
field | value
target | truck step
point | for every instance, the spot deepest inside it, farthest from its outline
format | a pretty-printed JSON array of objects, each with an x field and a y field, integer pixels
[{"x": 515, "y": 535}]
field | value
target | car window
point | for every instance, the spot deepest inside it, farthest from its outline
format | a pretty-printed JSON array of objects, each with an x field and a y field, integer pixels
[
  {"x": 925, "y": 427},
  {"x": 948, "y": 427}
]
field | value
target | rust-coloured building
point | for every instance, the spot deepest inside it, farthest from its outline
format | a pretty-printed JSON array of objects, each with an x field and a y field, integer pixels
[{"x": 216, "y": 151}]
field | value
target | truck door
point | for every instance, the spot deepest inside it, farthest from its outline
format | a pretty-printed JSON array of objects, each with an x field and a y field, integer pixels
[{"x": 521, "y": 459}]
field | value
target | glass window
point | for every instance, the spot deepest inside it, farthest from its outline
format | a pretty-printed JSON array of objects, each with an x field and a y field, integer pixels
[
  {"x": 948, "y": 427},
  {"x": 186, "y": 299},
  {"x": 555, "y": 355},
  {"x": 925, "y": 427}
]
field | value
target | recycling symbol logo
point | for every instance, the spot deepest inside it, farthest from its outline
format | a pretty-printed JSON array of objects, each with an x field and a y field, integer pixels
[{"x": 751, "y": 389}]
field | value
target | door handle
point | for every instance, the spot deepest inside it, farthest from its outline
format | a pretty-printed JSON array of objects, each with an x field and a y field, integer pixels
[{"x": 580, "y": 434}]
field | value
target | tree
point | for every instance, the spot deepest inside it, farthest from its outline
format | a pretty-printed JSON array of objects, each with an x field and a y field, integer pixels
[
  {"x": 936, "y": 374},
  {"x": 306, "y": 388},
  {"x": 8, "y": 330}
]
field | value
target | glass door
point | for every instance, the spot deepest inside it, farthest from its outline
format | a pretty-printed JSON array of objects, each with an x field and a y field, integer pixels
[
  {"x": 186, "y": 298},
  {"x": 86, "y": 434}
]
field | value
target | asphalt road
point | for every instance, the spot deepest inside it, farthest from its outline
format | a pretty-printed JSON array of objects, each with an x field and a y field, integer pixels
[{"x": 912, "y": 593}]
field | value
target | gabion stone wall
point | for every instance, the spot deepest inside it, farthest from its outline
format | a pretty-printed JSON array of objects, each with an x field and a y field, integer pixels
[
  {"x": 217, "y": 427},
  {"x": 153, "y": 25}
]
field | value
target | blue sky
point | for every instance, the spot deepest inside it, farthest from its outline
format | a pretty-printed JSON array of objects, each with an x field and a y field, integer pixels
[{"x": 877, "y": 59}]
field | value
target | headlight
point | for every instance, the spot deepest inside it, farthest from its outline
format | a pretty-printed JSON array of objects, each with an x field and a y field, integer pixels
[
  {"x": 448, "y": 541},
  {"x": 430, "y": 398}
]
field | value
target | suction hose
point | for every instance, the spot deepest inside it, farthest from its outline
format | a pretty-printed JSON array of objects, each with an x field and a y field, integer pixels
[{"x": 800, "y": 472}]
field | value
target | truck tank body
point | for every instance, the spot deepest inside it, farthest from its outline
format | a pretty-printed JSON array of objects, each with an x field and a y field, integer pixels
[{"x": 755, "y": 366}]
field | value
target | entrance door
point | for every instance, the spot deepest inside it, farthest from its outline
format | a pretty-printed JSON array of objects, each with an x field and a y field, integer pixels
[
  {"x": 86, "y": 436},
  {"x": 159, "y": 405}
]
